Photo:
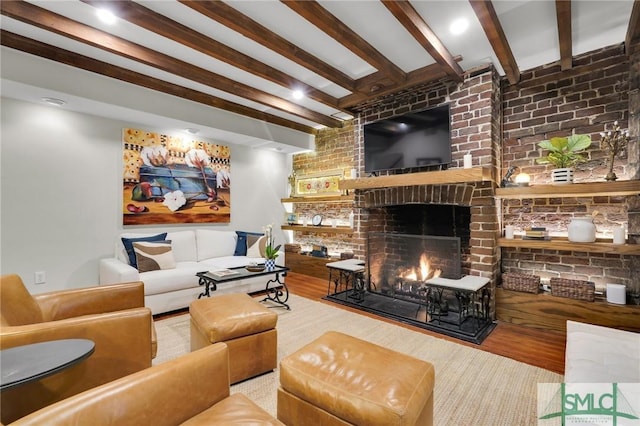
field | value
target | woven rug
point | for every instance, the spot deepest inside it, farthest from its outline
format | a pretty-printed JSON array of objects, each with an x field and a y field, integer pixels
[{"x": 472, "y": 387}]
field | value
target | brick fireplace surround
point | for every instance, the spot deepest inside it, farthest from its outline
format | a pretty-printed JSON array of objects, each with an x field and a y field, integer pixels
[{"x": 500, "y": 125}]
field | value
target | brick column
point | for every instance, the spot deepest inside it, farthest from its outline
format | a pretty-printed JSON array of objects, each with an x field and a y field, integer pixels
[{"x": 633, "y": 152}]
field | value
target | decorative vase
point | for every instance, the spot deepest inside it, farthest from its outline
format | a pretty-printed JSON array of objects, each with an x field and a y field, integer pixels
[
  {"x": 270, "y": 264},
  {"x": 562, "y": 176},
  {"x": 582, "y": 230}
]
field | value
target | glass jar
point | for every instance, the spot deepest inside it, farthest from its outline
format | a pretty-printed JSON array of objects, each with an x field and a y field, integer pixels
[{"x": 582, "y": 230}]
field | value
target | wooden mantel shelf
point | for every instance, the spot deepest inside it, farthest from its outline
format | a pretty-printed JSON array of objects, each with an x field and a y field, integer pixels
[
  {"x": 443, "y": 177},
  {"x": 627, "y": 187},
  {"x": 566, "y": 245}
]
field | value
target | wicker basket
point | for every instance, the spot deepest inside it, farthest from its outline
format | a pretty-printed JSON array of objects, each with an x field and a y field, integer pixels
[
  {"x": 573, "y": 289},
  {"x": 521, "y": 282}
]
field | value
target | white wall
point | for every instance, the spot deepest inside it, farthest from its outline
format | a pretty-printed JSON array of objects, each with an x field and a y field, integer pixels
[{"x": 61, "y": 193}]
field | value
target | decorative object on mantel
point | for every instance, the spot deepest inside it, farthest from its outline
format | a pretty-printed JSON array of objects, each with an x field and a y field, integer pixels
[
  {"x": 523, "y": 179},
  {"x": 291, "y": 218},
  {"x": 292, "y": 184},
  {"x": 616, "y": 293},
  {"x": 506, "y": 180},
  {"x": 564, "y": 154},
  {"x": 618, "y": 235},
  {"x": 316, "y": 220},
  {"x": 614, "y": 142},
  {"x": 270, "y": 251},
  {"x": 324, "y": 183},
  {"x": 536, "y": 233},
  {"x": 582, "y": 229}
]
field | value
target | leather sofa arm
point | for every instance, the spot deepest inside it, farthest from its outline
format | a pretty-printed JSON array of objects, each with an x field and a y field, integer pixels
[
  {"x": 112, "y": 271},
  {"x": 63, "y": 304},
  {"x": 122, "y": 346},
  {"x": 166, "y": 394}
]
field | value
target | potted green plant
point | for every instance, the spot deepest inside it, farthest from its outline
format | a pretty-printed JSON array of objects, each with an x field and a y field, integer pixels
[
  {"x": 564, "y": 154},
  {"x": 270, "y": 250}
]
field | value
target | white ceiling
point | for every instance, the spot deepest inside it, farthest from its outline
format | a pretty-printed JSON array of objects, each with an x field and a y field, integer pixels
[{"x": 530, "y": 28}]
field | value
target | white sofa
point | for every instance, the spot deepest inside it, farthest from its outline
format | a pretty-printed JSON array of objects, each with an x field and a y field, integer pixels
[
  {"x": 596, "y": 354},
  {"x": 193, "y": 250}
]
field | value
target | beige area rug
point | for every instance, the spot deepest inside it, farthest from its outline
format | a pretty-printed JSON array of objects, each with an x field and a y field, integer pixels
[{"x": 472, "y": 387}]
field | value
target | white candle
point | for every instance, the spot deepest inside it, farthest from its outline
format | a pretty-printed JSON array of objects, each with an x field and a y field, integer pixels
[
  {"x": 354, "y": 173},
  {"x": 618, "y": 235},
  {"x": 467, "y": 161},
  {"x": 508, "y": 232}
]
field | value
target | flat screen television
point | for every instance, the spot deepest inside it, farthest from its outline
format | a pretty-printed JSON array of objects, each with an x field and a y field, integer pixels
[{"x": 416, "y": 139}]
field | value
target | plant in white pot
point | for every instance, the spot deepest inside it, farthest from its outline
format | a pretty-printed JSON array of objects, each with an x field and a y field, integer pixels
[{"x": 564, "y": 154}]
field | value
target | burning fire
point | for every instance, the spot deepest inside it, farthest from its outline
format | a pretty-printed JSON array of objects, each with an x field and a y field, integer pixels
[{"x": 424, "y": 270}]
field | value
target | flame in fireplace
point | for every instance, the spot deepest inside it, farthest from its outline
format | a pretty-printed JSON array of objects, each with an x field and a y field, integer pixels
[{"x": 424, "y": 270}]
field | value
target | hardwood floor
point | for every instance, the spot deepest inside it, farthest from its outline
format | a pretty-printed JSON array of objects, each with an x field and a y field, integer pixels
[{"x": 543, "y": 349}]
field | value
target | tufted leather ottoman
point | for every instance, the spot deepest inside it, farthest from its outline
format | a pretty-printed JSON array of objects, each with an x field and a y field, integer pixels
[
  {"x": 247, "y": 327},
  {"x": 341, "y": 380}
]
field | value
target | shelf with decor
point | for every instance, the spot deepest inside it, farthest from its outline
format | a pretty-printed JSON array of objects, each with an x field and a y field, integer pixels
[
  {"x": 443, "y": 177},
  {"x": 604, "y": 246},
  {"x": 319, "y": 199},
  {"x": 587, "y": 189},
  {"x": 319, "y": 229}
]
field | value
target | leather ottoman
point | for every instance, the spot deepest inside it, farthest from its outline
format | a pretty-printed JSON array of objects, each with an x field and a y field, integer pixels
[
  {"x": 247, "y": 327},
  {"x": 341, "y": 380}
]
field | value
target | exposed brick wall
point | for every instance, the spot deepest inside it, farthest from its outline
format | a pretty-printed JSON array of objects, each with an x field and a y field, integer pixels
[{"x": 550, "y": 102}]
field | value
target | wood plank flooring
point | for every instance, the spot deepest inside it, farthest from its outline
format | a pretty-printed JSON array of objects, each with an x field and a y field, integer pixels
[{"x": 543, "y": 349}]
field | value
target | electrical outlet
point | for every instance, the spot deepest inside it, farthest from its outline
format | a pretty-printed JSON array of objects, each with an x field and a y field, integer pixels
[{"x": 40, "y": 277}]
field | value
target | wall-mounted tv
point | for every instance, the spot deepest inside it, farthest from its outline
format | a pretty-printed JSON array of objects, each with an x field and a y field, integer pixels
[{"x": 416, "y": 139}]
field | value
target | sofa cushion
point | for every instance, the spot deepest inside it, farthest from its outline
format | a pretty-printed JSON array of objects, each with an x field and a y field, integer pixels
[
  {"x": 215, "y": 243},
  {"x": 257, "y": 249},
  {"x": 183, "y": 244},
  {"x": 164, "y": 281},
  {"x": 154, "y": 256},
  {"x": 245, "y": 240},
  {"x": 128, "y": 245}
]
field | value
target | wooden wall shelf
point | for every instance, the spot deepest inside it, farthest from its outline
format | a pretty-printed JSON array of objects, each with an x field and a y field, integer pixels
[
  {"x": 476, "y": 174},
  {"x": 319, "y": 229},
  {"x": 320, "y": 199},
  {"x": 545, "y": 311},
  {"x": 566, "y": 245},
  {"x": 628, "y": 187}
]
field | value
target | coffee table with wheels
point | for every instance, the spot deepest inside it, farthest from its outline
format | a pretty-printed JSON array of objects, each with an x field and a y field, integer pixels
[{"x": 275, "y": 288}]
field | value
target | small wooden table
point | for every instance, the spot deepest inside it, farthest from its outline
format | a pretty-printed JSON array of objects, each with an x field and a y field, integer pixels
[{"x": 27, "y": 363}]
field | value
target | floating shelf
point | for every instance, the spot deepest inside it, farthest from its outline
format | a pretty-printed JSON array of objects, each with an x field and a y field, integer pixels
[
  {"x": 628, "y": 187},
  {"x": 319, "y": 199},
  {"x": 566, "y": 245},
  {"x": 319, "y": 229},
  {"x": 476, "y": 174}
]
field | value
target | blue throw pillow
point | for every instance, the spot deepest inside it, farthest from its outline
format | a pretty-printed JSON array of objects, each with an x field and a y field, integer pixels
[
  {"x": 128, "y": 245},
  {"x": 242, "y": 243}
]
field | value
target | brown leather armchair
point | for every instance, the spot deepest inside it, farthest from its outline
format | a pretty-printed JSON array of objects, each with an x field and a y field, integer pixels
[
  {"x": 113, "y": 317},
  {"x": 190, "y": 390}
]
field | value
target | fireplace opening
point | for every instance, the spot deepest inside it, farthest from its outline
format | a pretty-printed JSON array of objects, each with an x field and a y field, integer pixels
[{"x": 417, "y": 272}]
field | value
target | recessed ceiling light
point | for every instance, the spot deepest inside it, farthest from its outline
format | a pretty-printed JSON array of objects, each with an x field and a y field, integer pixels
[
  {"x": 53, "y": 101},
  {"x": 192, "y": 131},
  {"x": 298, "y": 94},
  {"x": 459, "y": 26},
  {"x": 106, "y": 16}
]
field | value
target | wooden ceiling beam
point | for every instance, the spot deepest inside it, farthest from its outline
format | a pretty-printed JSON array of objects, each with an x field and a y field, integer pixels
[
  {"x": 563, "y": 14},
  {"x": 160, "y": 24},
  {"x": 422, "y": 75},
  {"x": 418, "y": 28},
  {"x": 488, "y": 18},
  {"x": 42, "y": 18},
  {"x": 242, "y": 24},
  {"x": 66, "y": 57},
  {"x": 633, "y": 30},
  {"x": 320, "y": 17}
]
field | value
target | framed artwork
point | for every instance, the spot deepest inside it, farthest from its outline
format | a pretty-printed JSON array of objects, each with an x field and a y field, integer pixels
[
  {"x": 170, "y": 179},
  {"x": 324, "y": 183}
]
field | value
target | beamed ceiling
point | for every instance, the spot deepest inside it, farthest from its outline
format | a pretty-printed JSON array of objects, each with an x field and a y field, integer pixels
[{"x": 247, "y": 57}]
